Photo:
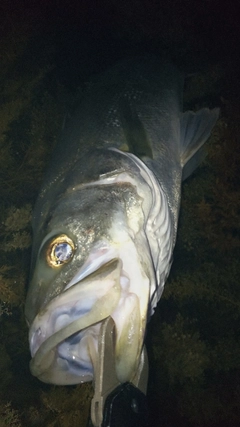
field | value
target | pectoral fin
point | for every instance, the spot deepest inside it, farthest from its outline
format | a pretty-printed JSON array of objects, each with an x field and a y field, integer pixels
[{"x": 195, "y": 130}]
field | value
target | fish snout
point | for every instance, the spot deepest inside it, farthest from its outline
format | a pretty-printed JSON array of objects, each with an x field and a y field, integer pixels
[{"x": 64, "y": 335}]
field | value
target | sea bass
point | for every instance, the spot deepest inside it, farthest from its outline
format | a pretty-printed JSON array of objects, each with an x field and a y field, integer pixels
[{"x": 105, "y": 222}]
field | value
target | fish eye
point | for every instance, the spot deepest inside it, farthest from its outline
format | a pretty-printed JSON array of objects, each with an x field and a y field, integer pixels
[{"x": 60, "y": 251}]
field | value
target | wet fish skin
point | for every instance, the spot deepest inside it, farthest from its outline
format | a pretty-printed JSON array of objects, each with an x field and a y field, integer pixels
[{"x": 113, "y": 188}]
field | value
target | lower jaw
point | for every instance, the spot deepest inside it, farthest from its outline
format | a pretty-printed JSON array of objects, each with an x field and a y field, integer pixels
[
  {"x": 68, "y": 363},
  {"x": 76, "y": 364},
  {"x": 130, "y": 341}
]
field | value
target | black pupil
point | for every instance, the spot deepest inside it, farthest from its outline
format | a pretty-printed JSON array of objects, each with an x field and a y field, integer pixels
[{"x": 63, "y": 251}]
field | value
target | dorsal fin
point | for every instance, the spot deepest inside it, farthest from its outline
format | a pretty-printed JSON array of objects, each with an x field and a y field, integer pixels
[{"x": 134, "y": 132}]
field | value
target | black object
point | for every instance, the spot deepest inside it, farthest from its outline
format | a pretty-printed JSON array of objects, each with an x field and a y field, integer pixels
[{"x": 126, "y": 406}]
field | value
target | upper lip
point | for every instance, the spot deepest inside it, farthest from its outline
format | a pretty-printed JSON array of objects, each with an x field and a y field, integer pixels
[{"x": 98, "y": 258}]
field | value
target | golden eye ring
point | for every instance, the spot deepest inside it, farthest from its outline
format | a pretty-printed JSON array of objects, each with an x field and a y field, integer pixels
[{"x": 60, "y": 251}]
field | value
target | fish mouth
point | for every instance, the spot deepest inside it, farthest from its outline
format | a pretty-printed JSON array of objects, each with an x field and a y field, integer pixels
[{"x": 64, "y": 335}]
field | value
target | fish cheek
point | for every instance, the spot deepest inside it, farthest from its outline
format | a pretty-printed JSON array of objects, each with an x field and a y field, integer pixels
[{"x": 46, "y": 283}]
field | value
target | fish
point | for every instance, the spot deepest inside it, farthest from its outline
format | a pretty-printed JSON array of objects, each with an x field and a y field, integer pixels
[{"x": 105, "y": 221}]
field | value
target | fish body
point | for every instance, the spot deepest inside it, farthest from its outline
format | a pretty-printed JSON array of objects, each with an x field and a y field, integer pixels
[{"x": 105, "y": 222}]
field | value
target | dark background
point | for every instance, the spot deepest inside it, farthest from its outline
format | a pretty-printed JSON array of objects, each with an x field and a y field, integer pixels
[{"x": 49, "y": 50}]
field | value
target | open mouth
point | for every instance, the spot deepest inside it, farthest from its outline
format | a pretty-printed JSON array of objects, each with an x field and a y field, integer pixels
[{"x": 64, "y": 335}]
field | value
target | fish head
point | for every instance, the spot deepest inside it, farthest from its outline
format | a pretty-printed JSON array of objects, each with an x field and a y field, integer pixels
[{"x": 93, "y": 262}]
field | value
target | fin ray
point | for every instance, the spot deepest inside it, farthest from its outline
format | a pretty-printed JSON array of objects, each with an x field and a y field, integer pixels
[{"x": 195, "y": 130}]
